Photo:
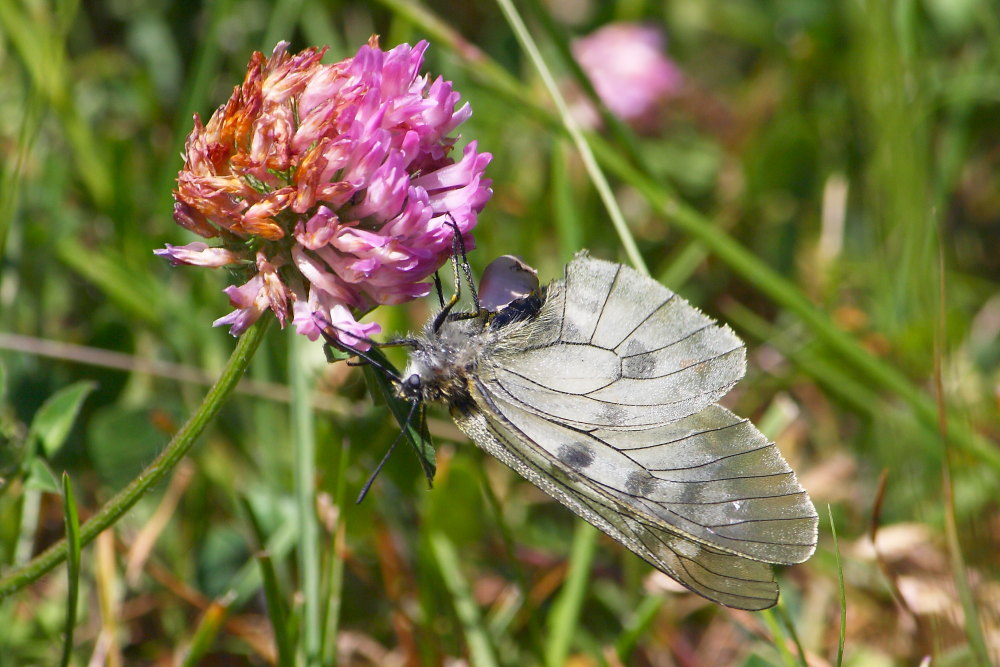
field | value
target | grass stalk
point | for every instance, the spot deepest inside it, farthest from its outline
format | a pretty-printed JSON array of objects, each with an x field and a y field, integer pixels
[
  {"x": 334, "y": 588},
  {"x": 72, "y": 518},
  {"x": 304, "y": 444},
  {"x": 572, "y": 128},
  {"x": 481, "y": 651},
  {"x": 843, "y": 593},
  {"x": 276, "y": 612},
  {"x": 642, "y": 619},
  {"x": 778, "y": 636},
  {"x": 565, "y": 614}
]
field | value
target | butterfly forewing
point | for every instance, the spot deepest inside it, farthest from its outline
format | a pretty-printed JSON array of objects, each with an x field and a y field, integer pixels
[{"x": 615, "y": 349}]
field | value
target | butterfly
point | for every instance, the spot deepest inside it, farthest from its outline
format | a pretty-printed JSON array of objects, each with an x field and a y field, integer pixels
[{"x": 601, "y": 390}]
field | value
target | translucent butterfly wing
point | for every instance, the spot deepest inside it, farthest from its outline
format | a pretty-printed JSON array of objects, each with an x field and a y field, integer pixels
[
  {"x": 720, "y": 576},
  {"x": 711, "y": 476},
  {"x": 612, "y": 348},
  {"x": 606, "y": 401}
]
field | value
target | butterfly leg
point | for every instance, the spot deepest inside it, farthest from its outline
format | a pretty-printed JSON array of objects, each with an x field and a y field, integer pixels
[{"x": 461, "y": 270}]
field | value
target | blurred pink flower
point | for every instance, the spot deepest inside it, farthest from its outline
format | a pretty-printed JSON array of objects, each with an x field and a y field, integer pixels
[
  {"x": 627, "y": 64},
  {"x": 331, "y": 186}
]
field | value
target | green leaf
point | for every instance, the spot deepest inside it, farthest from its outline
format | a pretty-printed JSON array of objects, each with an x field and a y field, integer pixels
[
  {"x": 41, "y": 477},
  {"x": 72, "y": 566},
  {"x": 417, "y": 435},
  {"x": 334, "y": 355},
  {"x": 55, "y": 418}
]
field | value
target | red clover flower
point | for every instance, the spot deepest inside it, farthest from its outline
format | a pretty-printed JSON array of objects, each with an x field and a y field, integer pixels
[{"x": 331, "y": 187}]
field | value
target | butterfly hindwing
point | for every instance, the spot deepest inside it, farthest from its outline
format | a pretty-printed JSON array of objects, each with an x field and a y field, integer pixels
[
  {"x": 711, "y": 476},
  {"x": 722, "y": 577}
]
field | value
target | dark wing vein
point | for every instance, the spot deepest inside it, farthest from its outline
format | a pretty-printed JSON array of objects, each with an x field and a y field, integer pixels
[
  {"x": 683, "y": 338},
  {"x": 600, "y": 313},
  {"x": 644, "y": 320}
]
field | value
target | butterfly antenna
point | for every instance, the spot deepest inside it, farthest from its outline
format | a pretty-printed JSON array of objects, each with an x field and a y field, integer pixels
[
  {"x": 333, "y": 341},
  {"x": 381, "y": 464}
]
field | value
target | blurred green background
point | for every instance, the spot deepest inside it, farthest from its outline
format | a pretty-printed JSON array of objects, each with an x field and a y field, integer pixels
[{"x": 827, "y": 181}]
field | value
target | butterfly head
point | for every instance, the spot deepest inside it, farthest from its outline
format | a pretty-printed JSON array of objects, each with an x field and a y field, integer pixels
[{"x": 411, "y": 388}]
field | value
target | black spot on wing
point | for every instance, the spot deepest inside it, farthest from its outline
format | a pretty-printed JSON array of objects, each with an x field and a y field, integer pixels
[
  {"x": 569, "y": 331},
  {"x": 640, "y": 483},
  {"x": 610, "y": 413},
  {"x": 577, "y": 455},
  {"x": 640, "y": 366},
  {"x": 649, "y": 539}
]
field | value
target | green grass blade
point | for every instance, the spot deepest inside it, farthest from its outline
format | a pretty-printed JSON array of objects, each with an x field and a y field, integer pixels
[
  {"x": 792, "y": 633},
  {"x": 304, "y": 444},
  {"x": 565, "y": 615},
  {"x": 334, "y": 589},
  {"x": 481, "y": 651},
  {"x": 771, "y": 620},
  {"x": 40, "y": 39},
  {"x": 72, "y": 566},
  {"x": 247, "y": 581},
  {"x": 843, "y": 593},
  {"x": 207, "y": 630},
  {"x": 642, "y": 619},
  {"x": 256, "y": 527},
  {"x": 623, "y": 134},
  {"x": 276, "y": 611},
  {"x": 13, "y": 171},
  {"x": 135, "y": 294},
  {"x": 576, "y": 135},
  {"x": 564, "y": 210}
]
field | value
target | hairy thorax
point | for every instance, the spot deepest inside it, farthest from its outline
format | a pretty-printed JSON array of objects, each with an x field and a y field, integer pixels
[{"x": 441, "y": 362}]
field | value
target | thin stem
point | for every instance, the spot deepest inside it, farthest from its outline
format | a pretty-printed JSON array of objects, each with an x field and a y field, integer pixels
[
  {"x": 304, "y": 437},
  {"x": 179, "y": 446}
]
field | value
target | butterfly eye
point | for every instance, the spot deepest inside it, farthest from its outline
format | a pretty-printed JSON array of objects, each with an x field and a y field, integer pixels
[{"x": 413, "y": 382}]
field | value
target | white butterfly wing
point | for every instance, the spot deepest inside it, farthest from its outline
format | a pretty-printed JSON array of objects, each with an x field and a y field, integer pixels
[
  {"x": 606, "y": 401},
  {"x": 613, "y": 348},
  {"x": 718, "y": 575}
]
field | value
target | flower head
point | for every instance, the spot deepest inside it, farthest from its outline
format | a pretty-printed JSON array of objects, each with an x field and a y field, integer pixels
[
  {"x": 629, "y": 70},
  {"x": 331, "y": 188}
]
